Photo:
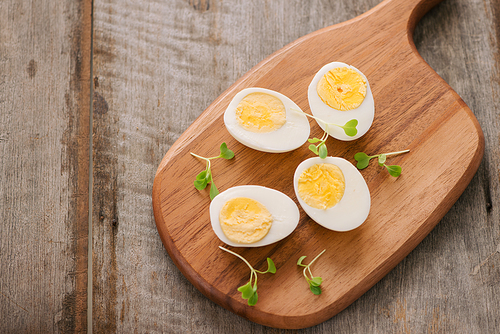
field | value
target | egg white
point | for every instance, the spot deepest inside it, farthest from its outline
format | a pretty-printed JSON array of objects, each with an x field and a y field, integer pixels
[
  {"x": 290, "y": 136},
  {"x": 283, "y": 209},
  {"x": 364, "y": 113},
  {"x": 353, "y": 208}
]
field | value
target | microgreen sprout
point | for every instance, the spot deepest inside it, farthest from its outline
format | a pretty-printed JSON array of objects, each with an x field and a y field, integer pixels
[
  {"x": 249, "y": 290},
  {"x": 205, "y": 177},
  {"x": 363, "y": 160},
  {"x": 314, "y": 282},
  {"x": 320, "y": 149}
]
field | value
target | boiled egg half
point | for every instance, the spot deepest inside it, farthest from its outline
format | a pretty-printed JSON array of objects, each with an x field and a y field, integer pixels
[
  {"x": 266, "y": 121},
  {"x": 332, "y": 192},
  {"x": 339, "y": 93},
  {"x": 253, "y": 216}
]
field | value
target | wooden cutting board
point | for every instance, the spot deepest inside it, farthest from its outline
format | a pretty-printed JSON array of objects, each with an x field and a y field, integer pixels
[{"x": 414, "y": 109}]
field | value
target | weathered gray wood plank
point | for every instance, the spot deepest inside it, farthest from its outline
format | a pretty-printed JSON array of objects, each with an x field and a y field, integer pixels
[
  {"x": 44, "y": 165},
  {"x": 158, "y": 65}
]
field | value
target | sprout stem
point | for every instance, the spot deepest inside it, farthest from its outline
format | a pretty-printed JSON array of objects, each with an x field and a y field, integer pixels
[
  {"x": 324, "y": 250},
  {"x": 206, "y": 159},
  {"x": 239, "y": 256},
  {"x": 253, "y": 272},
  {"x": 316, "y": 118},
  {"x": 198, "y": 156},
  {"x": 308, "y": 267},
  {"x": 394, "y": 153}
]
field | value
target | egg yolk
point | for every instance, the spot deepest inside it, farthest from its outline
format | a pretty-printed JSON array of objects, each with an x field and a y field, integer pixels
[
  {"x": 321, "y": 186},
  {"x": 245, "y": 220},
  {"x": 261, "y": 112},
  {"x": 342, "y": 88}
]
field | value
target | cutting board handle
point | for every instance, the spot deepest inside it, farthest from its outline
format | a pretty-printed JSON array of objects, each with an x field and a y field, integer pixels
[{"x": 402, "y": 12}]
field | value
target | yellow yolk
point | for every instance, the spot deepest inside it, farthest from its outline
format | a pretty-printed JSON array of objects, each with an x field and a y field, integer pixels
[
  {"x": 342, "y": 88},
  {"x": 245, "y": 220},
  {"x": 261, "y": 112},
  {"x": 321, "y": 186}
]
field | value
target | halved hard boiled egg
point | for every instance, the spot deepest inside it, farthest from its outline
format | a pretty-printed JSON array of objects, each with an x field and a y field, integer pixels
[
  {"x": 339, "y": 93},
  {"x": 253, "y": 216},
  {"x": 332, "y": 192},
  {"x": 266, "y": 121}
]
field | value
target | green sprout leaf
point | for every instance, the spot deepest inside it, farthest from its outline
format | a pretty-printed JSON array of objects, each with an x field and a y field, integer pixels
[
  {"x": 249, "y": 290},
  {"x": 313, "y": 140},
  {"x": 313, "y": 149},
  {"x": 299, "y": 262},
  {"x": 271, "y": 268},
  {"x": 246, "y": 290},
  {"x": 315, "y": 289},
  {"x": 213, "y": 191},
  {"x": 205, "y": 177},
  {"x": 394, "y": 170},
  {"x": 253, "y": 299},
  {"x": 200, "y": 184},
  {"x": 313, "y": 281},
  {"x": 350, "y": 128},
  {"x": 323, "y": 152},
  {"x": 363, "y": 160},
  {"x": 202, "y": 176},
  {"x": 316, "y": 281},
  {"x": 225, "y": 152}
]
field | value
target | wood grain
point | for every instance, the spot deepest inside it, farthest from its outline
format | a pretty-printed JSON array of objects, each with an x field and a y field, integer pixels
[
  {"x": 415, "y": 109},
  {"x": 44, "y": 165},
  {"x": 158, "y": 66}
]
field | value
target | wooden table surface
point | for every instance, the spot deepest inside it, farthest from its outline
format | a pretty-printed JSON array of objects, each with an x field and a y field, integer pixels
[{"x": 93, "y": 94}]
